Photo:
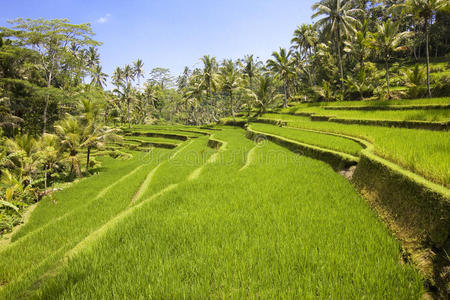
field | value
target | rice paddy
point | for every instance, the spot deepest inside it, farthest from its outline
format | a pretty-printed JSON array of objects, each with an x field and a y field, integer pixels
[
  {"x": 241, "y": 220},
  {"x": 422, "y": 151}
]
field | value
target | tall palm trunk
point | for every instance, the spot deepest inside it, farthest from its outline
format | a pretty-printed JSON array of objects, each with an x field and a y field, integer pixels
[
  {"x": 87, "y": 159},
  {"x": 231, "y": 104},
  {"x": 387, "y": 78},
  {"x": 428, "y": 57},
  {"x": 341, "y": 67},
  {"x": 285, "y": 95},
  {"x": 44, "y": 118},
  {"x": 128, "y": 112}
]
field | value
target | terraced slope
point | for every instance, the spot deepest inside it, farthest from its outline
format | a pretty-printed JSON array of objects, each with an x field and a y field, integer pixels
[
  {"x": 42, "y": 245},
  {"x": 421, "y": 151},
  {"x": 251, "y": 221}
]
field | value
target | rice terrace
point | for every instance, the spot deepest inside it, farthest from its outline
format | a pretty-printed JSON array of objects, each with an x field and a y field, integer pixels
[{"x": 318, "y": 171}]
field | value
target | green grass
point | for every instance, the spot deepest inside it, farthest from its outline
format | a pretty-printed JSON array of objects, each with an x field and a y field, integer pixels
[
  {"x": 272, "y": 230},
  {"x": 422, "y": 151},
  {"x": 435, "y": 115},
  {"x": 147, "y": 139},
  {"x": 312, "y": 138},
  {"x": 422, "y": 101}
]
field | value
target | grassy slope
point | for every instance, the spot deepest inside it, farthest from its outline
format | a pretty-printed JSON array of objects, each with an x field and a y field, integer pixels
[
  {"x": 434, "y": 115},
  {"x": 422, "y": 151},
  {"x": 272, "y": 230},
  {"x": 152, "y": 139},
  {"x": 422, "y": 101},
  {"x": 63, "y": 234},
  {"x": 317, "y": 139}
]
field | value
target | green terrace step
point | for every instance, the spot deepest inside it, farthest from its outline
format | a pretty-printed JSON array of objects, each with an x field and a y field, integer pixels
[{"x": 389, "y": 107}]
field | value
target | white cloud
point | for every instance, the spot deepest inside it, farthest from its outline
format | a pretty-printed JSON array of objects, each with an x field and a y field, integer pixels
[{"x": 104, "y": 19}]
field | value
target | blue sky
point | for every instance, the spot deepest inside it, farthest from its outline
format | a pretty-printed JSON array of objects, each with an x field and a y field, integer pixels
[{"x": 174, "y": 33}]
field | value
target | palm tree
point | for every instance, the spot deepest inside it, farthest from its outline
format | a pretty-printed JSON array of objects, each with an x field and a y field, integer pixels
[
  {"x": 93, "y": 134},
  {"x": 117, "y": 77},
  {"x": 128, "y": 73},
  {"x": 359, "y": 45},
  {"x": 22, "y": 155},
  {"x": 69, "y": 132},
  {"x": 126, "y": 94},
  {"x": 305, "y": 38},
  {"x": 282, "y": 67},
  {"x": 265, "y": 93},
  {"x": 50, "y": 154},
  {"x": 339, "y": 19},
  {"x": 250, "y": 68},
  {"x": 138, "y": 70},
  {"x": 98, "y": 77},
  {"x": 426, "y": 9},
  {"x": 209, "y": 79},
  {"x": 387, "y": 40},
  {"x": 92, "y": 57},
  {"x": 230, "y": 81}
]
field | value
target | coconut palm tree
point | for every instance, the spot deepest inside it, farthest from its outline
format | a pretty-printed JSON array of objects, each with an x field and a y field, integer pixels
[
  {"x": 387, "y": 41},
  {"x": 69, "y": 132},
  {"x": 98, "y": 78},
  {"x": 93, "y": 134},
  {"x": 126, "y": 95},
  {"x": 339, "y": 20},
  {"x": 50, "y": 154},
  {"x": 128, "y": 73},
  {"x": 92, "y": 57},
  {"x": 209, "y": 80},
  {"x": 282, "y": 66},
  {"x": 265, "y": 93},
  {"x": 305, "y": 38},
  {"x": 117, "y": 77},
  {"x": 426, "y": 9},
  {"x": 230, "y": 81},
  {"x": 138, "y": 66},
  {"x": 250, "y": 68}
]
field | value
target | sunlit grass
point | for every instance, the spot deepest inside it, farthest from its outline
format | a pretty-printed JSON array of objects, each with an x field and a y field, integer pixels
[
  {"x": 422, "y": 151},
  {"x": 273, "y": 230},
  {"x": 312, "y": 138}
]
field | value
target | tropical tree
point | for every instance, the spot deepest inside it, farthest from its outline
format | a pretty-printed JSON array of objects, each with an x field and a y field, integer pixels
[
  {"x": 49, "y": 154},
  {"x": 388, "y": 40},
  {"x": 282, "y": 67},
  {"x": 305, "y": 39},
  {"x": 209, "y": 80},
  {"x": 426, "y": 9},
  {"x": 250, "y": 68},
  {"x": 138, "y": 66},
  {"x": 69, "y": 132},
  {"x": 338, "y": 21},
  {"x": 265, "y": 93},
  {"x": 51, "y": 39},
  {"x": 117, "y": 77},
  {"x": 94, "y": 134},
  {"x": 230, "y": 81},
  {"x": 98, "y": 78}
]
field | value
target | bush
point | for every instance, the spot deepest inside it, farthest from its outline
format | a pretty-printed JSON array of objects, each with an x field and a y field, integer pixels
[{"x": 442, "y": 87}]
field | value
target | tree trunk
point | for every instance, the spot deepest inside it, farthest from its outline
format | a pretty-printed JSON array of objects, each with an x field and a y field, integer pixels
[
  {"x": 44, "y": 118},
  {"x": 231, "y": 103},
  {"x": 285, "y": 96},
  {"x": 387, "y": 79},
  {"x": 341, "y": 67},
  {"x": 45, "y": 178},
  {"x": 128, "y": 113},
  {"x": 428, "y": 57},
  {"x": 87, "y": 159}
]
